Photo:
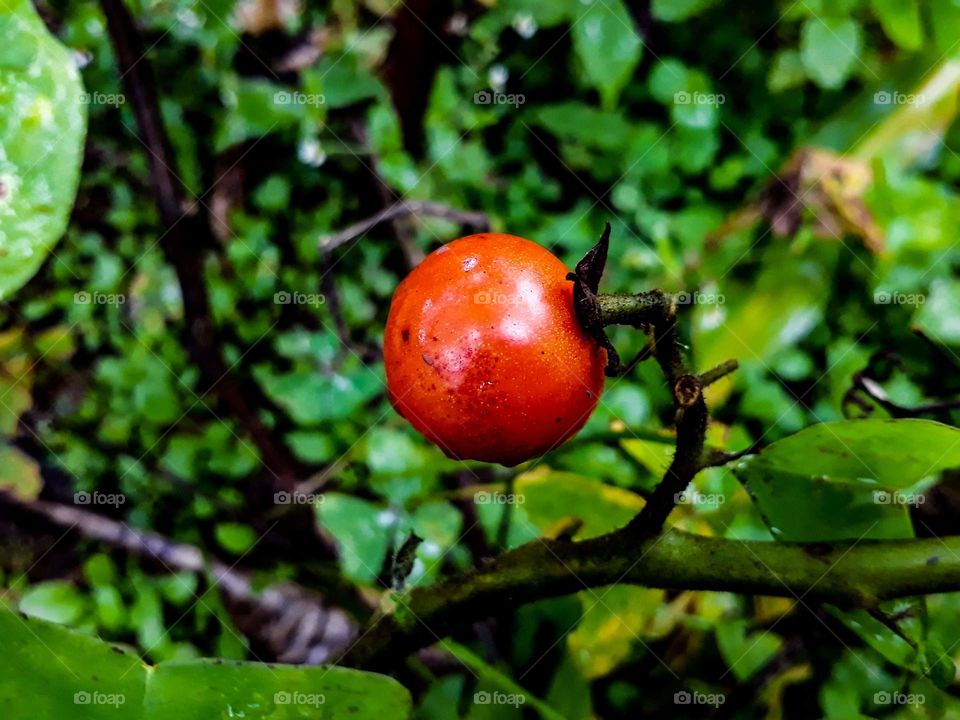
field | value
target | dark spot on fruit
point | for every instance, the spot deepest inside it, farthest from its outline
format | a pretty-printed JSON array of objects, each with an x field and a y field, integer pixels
[
  {"x": 933, "y": 560},
  {"x": 434, "y": 338},
  {"x": 427, "y": 360},
  {"x": 589, "y": 393},
  {"x": 405, "y": 334},
  {"x": 558, "y": 419}
]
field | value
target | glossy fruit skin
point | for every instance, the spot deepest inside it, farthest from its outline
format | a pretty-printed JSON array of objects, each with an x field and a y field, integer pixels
[{"x": 484, "y": 354}]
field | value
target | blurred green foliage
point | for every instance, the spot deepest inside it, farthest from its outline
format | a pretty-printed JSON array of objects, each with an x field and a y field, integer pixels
[{"x": 667, "y": 119}]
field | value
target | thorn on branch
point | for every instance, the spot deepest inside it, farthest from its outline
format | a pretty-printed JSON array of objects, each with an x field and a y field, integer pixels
[
  {"x": 586, "y": 285},
  {"x": 718, "y": 458}
]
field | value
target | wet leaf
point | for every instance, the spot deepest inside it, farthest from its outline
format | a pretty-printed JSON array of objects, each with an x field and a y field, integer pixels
[
  {"x": 52, "y": 673},
  {"x": 42, "y": 130},
  {"x": 848, "y": 480}
]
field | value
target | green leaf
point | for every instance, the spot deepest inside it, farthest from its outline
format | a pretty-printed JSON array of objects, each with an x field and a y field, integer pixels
[
  {"x": 52, "y": 673},
  {"x": 312, "y": 398},
  {"x": 19, "y": 474},
  {"x": 654, "y": 455},
  {"x": 255, "y": 108},
  {"x": 361, "y": 530},
  {"x": 613, "y": 622},
  {"x": 781, "y": 306},
  {"x": 938, "y": 316},
  {"x": 576, "y": 122},
  {"x": 17, "y": 399},
  {"x": 678, "y": 10},
  {"x": 849, "y": 479},
  {"x": 56, "y": 600},
  {"x": 489, "y": 675},
  {"x": 550, "y": 497},
  {"x": 42, "y": 130},
  {"x": 913, "y": 651},
  {"x": 311, "y": 446},
  {"x": 100, "y": 570},
  {"x": 901, "y": 21},
  {"x": 786, "y": 72},
  {"x": 111, "y": 612},
  {"x": 745, "y": 654},
  {"x": 945, "y": 21},
  {"x": 829, "y": 49},
  {"x": 687, "y": 92},
  {"x": 342, "y": 80},
  {"x": 571, "y": 691},
  {"x": 439, "y": 522},
  {"x": 605, "y": 40},
  {"x": 235, "y": 537},
  {"x": 146, "y": 616}
]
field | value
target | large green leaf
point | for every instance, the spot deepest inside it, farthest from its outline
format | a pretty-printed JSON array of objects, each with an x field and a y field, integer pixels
[
  {"x": 42, "y": 128},
  {"x": 849, "y": 479},
  {"x": 49, "y": 672}
]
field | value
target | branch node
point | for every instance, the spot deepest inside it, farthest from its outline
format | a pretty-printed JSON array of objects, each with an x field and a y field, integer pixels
[{"x": 686, "y": 391}]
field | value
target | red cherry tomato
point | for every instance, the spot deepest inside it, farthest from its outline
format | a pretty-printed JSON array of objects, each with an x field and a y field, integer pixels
[{"x": 484, "y": 354}]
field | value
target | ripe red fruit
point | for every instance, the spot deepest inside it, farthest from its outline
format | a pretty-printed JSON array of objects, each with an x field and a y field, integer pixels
[{"x": 484, "y": 354}]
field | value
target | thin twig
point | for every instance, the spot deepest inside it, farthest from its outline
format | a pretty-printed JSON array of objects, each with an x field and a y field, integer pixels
[
  {"x": 295, "y": 623},
  {"x": 863, "y": 384},
  {"x": 720, "y": 371},
  {"x": 475, "y": 220}
]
